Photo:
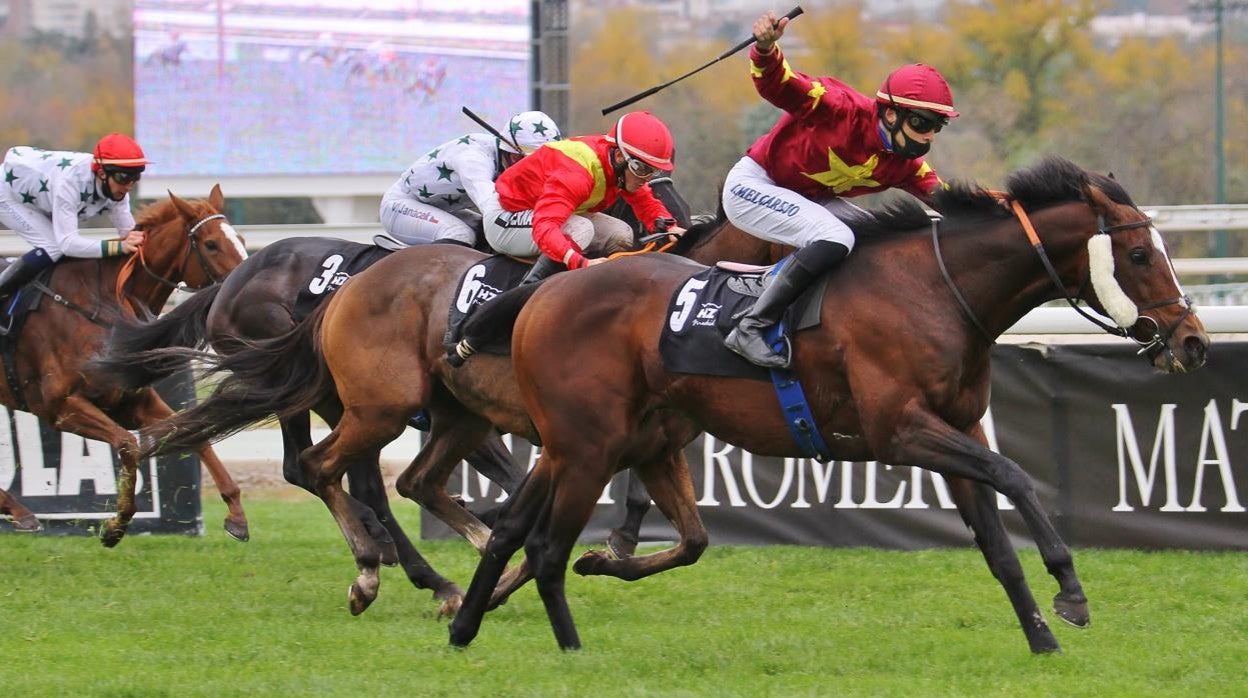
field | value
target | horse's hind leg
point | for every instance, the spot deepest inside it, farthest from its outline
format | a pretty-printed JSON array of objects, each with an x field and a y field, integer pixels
[
  {"x": 493, "y": 460},
  {"x": 367, "y": 486},
  {"x": 23, "y": 519},
  {"x": 622, "y": 541},
  {"x": 672, "y": 489},
  {"x": 357, "y": 438}
]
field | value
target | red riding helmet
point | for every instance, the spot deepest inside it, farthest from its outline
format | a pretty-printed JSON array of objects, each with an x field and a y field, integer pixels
[
  {"x": 641, "y": 135},
  {"x": 118, "y": 151},
  {"x": 917, "y": 86}
]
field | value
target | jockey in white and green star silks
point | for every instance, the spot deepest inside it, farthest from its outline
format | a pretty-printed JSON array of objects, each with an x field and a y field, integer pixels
[{"x": 445, "y": 192}]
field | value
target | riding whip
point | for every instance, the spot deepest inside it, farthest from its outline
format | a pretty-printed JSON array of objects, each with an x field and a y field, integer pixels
[
  {"x": 642, "y": 95},
  {"x": 493, "y": 131}
]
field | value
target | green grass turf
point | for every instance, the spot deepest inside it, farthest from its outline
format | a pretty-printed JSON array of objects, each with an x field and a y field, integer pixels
[{"x": 209, "y": 616}]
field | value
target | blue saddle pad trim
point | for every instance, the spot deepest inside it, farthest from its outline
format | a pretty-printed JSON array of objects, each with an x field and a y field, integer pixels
[{"x": 793, "y": 404}]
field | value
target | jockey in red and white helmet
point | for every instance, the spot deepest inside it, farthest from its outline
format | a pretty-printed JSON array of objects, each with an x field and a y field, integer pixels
[
  {"x": 556, "y": 196},
  {"x": 47, "y": 193},
  {"x": 445, "y": 194},
  {"x": 831, "y": 143}
]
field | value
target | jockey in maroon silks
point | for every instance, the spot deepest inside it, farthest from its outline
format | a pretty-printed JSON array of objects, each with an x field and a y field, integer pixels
[{"x": 831, "y": 143}]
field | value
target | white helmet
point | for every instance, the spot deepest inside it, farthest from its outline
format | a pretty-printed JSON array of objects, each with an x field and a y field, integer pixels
[{"x": 529, "y": 130}]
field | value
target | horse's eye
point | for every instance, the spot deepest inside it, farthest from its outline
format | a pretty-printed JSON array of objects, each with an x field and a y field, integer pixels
[
  {"x": 1139, "y": 255},
  {"x": 211, "y": 245}
]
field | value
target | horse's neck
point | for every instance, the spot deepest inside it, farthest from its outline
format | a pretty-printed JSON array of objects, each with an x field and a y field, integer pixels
[
  {"x": 1000, "y": 273},
  {"x": 164, "y": 261},
  {"x": 731, "y": 245}
]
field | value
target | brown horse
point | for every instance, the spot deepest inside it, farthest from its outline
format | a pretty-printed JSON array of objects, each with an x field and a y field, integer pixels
[
  {"x": 377, "y": 345},
  {"x": 187, "y": 242},
  {"x": 897, "y": 372}
]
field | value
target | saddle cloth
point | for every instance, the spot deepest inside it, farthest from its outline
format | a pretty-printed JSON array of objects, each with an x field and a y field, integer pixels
[
  {"x": 338, "y": 265},
  {"x": 483, "y": 280},
  {"x": 700, "y": 314}
]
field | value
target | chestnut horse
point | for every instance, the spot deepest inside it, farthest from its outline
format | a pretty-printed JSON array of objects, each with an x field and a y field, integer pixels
[
  {"x": 898, "y": 372},
  {"x": 187, "y": 242}
]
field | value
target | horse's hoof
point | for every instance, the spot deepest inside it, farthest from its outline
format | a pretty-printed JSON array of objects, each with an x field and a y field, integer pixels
[
  {"x": 111, "y": 535},
  {"x": 450, "y": 606},
  {"x": 237, "y": 530},
  {"x": 27, "y": 524},
  {"x": 459, "y": 638},
  {"x": 622, "y": 545},
  {"x": 1072, "y": 612},
  {"x": 592, "y": 562},
  {"x": 358, "y": 600}
]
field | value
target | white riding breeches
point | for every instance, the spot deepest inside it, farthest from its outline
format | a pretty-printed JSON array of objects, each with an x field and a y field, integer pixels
[
  {"x": 597, "y": 234},
  {"x": 757, "y": 205},
  {"x": 416, "y": 223}
]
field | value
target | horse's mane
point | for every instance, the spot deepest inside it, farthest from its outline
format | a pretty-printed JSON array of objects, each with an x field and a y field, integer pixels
[{"x": 155, "y": 213}]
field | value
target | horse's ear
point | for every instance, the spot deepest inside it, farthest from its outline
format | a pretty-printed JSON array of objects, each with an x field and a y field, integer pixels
[
  {"x": 188, "y": 212},
  {"x": 1097, "y": 198},
  {"x": 1111, "y": 176},
  {"x": 216, "y": 199}
]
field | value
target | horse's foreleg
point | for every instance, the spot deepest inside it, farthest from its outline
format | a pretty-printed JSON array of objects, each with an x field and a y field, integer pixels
[
  {"x": 23, "y": 519},
  {"x": 924, "y": 440},
  {"x": 454, "y": 434},
  {"x": 493, "y": 460},
  {"x": 513, "y": 525},
  {"x": 1070, "y": 603},
  {"x": 672, "y": 489},
  {"x": 151, "y": 408},
  {"x": 80, "y": 416}
]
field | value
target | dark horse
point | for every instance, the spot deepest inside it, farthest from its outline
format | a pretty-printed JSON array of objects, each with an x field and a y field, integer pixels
[
  {"x": 187, "y": 242},
  {"x": 376, "y": 349},
  {"x": 258, "y": 302},
  {"x": 898, "y": 372}
]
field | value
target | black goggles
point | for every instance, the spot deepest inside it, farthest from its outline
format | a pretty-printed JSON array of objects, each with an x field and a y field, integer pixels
[
  {"x": 926, "y": 122},
  {"x": 125, "y": 176}
]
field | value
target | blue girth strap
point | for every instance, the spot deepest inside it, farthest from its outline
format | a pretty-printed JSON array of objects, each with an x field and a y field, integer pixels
[{"x": 793, "y": 402}]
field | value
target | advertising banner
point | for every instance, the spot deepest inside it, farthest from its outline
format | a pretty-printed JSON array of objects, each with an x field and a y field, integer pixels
[
  {"x": 70, "y": 483},
  {"x": 1120, "y": 455}
]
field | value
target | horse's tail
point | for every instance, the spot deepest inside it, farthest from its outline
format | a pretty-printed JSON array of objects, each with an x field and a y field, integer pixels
[
  {"x": 491, "y": 325},
  {"x": 277, "y": 377},
  {"x": 134, "y": 356}
]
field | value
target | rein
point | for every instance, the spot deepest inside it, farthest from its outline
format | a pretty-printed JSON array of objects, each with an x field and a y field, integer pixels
[
  {"x": 139, "y": 259},
  {"x": 1158, "y": 337}
]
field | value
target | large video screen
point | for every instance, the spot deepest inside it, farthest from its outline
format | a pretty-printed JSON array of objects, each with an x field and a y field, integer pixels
[{"x": 299, "y": 87}]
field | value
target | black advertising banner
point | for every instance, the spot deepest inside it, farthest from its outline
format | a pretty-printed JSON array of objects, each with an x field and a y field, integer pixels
[
  {"x": 1121, "y": 456},
  {"x": 70, "y": 483}
]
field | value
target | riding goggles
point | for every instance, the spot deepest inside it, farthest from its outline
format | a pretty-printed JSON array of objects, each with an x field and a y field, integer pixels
[
  {"x": 641, "y": 169},
  {"x": 922, "y": 121},
  {"x": 125, "y": 176}
]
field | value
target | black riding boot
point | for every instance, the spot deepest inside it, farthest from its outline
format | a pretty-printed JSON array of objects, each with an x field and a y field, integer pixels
[
  {"x": 542, "y": 268},
  {"x": 797, "y": 274},
  {"x": 23, "y": 270}
]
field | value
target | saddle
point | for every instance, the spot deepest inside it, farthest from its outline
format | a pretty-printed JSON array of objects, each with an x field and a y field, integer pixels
[
  {"x": 702, "y": 312},
  {"x": 338, "y": 265},
  {"x": 481, "y": 282}
]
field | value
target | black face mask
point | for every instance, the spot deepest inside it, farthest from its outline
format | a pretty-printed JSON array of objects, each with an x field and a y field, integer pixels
[{"x": 909, "y": 149}]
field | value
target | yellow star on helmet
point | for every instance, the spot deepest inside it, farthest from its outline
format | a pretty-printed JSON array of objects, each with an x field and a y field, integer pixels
[{"x": 841, "y": 177}]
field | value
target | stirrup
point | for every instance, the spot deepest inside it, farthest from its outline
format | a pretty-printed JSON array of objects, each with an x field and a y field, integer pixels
[{"x": 458, "y": 354}]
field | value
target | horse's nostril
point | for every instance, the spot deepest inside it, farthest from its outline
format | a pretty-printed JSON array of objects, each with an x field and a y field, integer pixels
[{"x": 1197, "y": 348}]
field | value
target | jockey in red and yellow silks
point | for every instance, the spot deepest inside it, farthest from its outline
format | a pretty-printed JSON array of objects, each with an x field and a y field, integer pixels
[
  {"x": 830, "y": 144},
  {"x": 556, "y": 195}
]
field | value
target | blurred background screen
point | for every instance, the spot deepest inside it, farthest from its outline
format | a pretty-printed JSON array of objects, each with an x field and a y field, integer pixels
[{"x": 300, "y": 87}]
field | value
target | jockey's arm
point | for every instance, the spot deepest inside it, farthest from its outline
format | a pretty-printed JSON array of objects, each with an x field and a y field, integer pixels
[
  {"x": 648, "y": 208},
  {"x": 558, "y": 201},
  {"x": 65, "y": 203},
  {"x": 476, "y": 174},
  {"x": 794, "y": 92}
]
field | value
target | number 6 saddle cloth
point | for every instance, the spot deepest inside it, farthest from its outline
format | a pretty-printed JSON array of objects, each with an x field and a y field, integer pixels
[{"x": 704, "y": 309}]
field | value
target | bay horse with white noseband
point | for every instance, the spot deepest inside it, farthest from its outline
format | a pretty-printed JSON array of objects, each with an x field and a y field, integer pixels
[
  {"x": 187, "y": 242},
  {"x": 897, "y": 372}
]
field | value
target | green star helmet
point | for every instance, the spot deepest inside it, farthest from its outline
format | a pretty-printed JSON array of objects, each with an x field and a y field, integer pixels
[{"x": 529, "y": 130}]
